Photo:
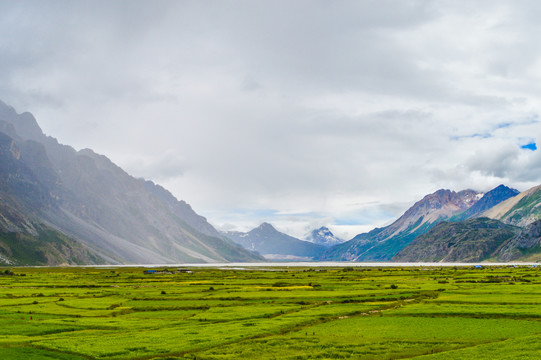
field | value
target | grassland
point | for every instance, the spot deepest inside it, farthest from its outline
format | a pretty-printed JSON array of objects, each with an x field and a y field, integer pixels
[{"x": 274, "y": 313}]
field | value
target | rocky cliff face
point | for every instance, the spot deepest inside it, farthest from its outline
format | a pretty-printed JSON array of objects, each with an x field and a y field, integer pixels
[
  {"x": 527, "y": 243},
  {"x": 383, "y": 243},
  {"x": 90, "y": 199}
]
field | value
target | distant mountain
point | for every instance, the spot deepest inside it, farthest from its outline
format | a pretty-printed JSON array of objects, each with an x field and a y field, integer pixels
[
  {"x": 489, "y": 200},
  {"x": 504, "y": 225},
  {"x": 471, "y": 240},
  {"x": 274, "y": 245},
  {"x": 323, "y": 236},
  {"x": 85, "y": 197},
  {"x": 382, "y": 244},
  {"x": 521, "y": 210}
]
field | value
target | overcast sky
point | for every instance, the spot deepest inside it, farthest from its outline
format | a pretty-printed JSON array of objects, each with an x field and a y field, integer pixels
[{"x": 299, "y": 113}]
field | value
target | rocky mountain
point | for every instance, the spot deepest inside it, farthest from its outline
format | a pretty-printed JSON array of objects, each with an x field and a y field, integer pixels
[
  {"x": 526, "y": 246},
  {"x": 471, "y": 240},
  {"x": 509, "y": 230},
  {"x": 323, "y": 236},
  {"x": 86, "y": 197},
  {"x": 521, "y": 210},
  {"x": 381, "y": 244},
  {"x": 275, "y": 245},
  {"x": 24, "y": 239},
  {"x": 489, "y": 200}
]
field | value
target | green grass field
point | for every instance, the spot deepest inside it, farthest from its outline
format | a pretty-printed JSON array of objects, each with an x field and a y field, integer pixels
[{"x": 274, "y": 313}]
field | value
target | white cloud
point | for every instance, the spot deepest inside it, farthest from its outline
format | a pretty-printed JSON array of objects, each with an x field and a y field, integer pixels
[{"x": 301, "y": 107}]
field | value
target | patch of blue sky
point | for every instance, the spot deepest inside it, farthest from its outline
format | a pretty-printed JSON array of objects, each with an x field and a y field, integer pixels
[
  {"x": 530, "y": 146},
  {"x": 476, "y": 135},
  {"x": 504, "y": 125}
]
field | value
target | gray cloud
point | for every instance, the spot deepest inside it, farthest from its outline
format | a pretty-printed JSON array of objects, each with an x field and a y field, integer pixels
[{"x": 304, "y": 107}]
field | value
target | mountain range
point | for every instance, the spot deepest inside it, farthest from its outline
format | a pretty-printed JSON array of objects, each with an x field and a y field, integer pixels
[
  {"x": 79, "y": 207},
  {"x": 449, "y": 226},
  {"x": 446, "y": 226},
  {"x": 381, "y": 244},
  {"x": 62, "y": 206},
  {"x": 275, "y": 245}
]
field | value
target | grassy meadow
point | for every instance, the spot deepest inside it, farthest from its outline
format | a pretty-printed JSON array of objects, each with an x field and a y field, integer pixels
[{"x": 271, "y": 313}]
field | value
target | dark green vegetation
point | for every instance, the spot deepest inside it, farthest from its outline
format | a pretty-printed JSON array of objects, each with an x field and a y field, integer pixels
[
  {"x": 285, "y": 313},
  {"x": 472, "y": 240},
  {"x": 47, "y": 247}
]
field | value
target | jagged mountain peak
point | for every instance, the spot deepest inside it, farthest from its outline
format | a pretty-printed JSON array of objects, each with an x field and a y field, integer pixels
[
  {"x": 464, "y": 198},
  {"x": 265, "y": 226},
  {"x": 6, "y": 110},
  {"x": 25, "y": 124},
  {"x": 489, "y": 200},
  {"x": 323, "y": 236},
  {"x": 441, "y": 204}
]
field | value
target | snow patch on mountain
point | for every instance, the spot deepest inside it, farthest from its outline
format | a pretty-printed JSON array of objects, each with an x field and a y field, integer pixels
[{"x": 323, "y": 236}]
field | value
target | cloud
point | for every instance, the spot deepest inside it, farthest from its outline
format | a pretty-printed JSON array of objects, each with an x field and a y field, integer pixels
[{"x": 305, "y": 108}]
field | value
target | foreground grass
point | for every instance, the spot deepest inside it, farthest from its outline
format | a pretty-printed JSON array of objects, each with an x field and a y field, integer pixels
[{"x": 286, "y": 313}]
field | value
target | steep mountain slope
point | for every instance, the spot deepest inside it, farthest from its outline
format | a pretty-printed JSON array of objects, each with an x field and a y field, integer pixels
[
  {"x": 521, "y": 210},
  {"x": 24, "y": 239},
  {"x": 275, "y": 245},
  {"x": 466, "y": 241},
  {"x": 45, "y": 247},
  {"x": 87, "y": 197},
  {"x": 526, "y": 246},
  {"x": 489, "y": 200},
  {"x": 382, "y": 244},
  {"x": 323, "y": 236}
]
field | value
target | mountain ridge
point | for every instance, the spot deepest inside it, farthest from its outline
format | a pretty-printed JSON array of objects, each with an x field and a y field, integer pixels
[
  {"x": 381, "y": 244},
  {"x": 488, "y": 201},
  {"x": 275, "y": 245},
  {"x": 87, "y": 197}
]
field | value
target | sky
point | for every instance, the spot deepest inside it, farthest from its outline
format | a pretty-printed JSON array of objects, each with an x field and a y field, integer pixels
[{"x": 298, "y": 113}]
